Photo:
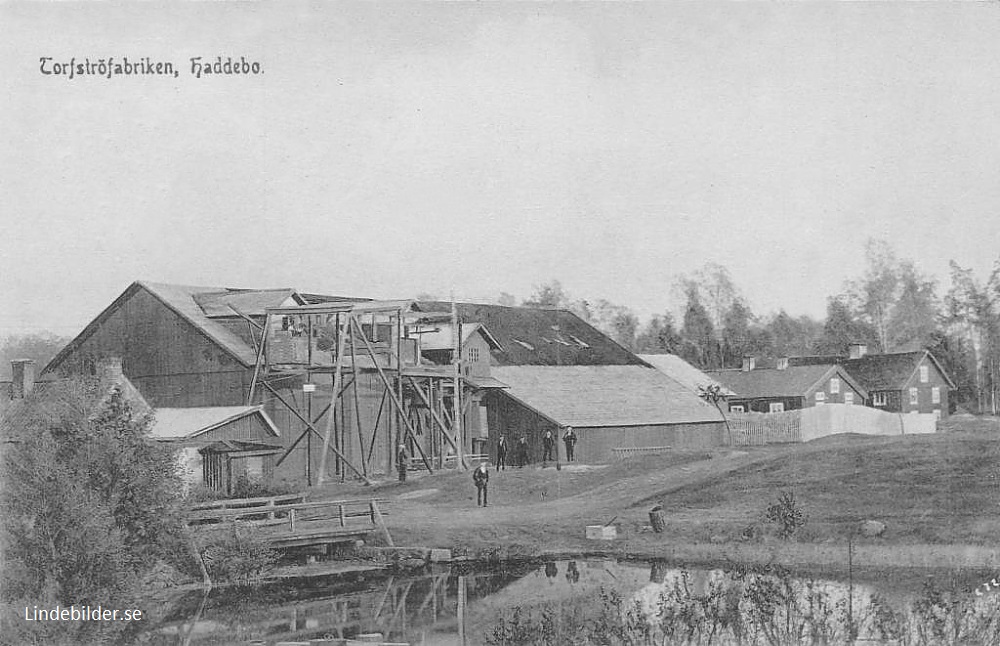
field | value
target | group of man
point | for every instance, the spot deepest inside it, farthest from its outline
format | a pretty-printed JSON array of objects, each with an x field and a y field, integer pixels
[
  {"x": 481, "y": 477},
  {"x": 521, "y": 456}
]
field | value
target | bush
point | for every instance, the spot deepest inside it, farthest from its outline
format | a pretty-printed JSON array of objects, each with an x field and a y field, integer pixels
[
  {"x": 786, "y": 514},
  {"x": 239, "y": 556}
]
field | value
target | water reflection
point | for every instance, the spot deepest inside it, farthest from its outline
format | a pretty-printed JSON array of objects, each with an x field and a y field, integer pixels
[{"x": 589, "y": 602}]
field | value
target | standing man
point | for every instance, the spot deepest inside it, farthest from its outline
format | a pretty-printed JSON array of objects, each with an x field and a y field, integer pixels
[
  {"x": 569, "y": 439},
  {"x": 547, "y": 443},
  {"x": 522, "y": 452},
  {"x": 481, "y": 478},
  {"x": 402, "y": 461},
  {"x": 502, "y": 453}
]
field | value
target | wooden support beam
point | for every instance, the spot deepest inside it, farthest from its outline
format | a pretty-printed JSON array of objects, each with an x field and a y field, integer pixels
[
  {"x": 337, "y": 378},
  {"x": 378, "y": 418},
  {"x": 306, "y": 431},
  {"x": 312, "y": 428},
  {"x": 398, "y": 404},
  {"x": 357, "y": 410},
  {"x": 444, "y": 429},
  {"x": 259, "y": 362}
]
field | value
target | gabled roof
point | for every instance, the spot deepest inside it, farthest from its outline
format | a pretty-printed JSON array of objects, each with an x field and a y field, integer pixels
[
  {"x": 539, "y": 337},
  {"x": 887, "y": 371},
  {"x": 794, "y": 381},
  {"x": 188, "y": 423},
  {"x": 440, "y": 337},
  {"x": 588, "y": 396},
  {"x": 206, "y": 308},
  {"x": 682, "y": 372},
  {"x": 890, "y": 371}
]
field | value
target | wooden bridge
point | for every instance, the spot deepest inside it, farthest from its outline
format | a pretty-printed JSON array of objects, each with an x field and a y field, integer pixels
[{"x": 290, "y": 521}]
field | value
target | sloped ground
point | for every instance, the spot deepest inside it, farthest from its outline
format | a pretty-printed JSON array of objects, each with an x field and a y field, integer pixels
[{"x": 940, "y": 488}]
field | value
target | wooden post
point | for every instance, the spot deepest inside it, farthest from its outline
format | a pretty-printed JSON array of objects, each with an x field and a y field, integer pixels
[
  {"x": 343, "y": 518},
  {"x": 437, "y": 419},
  {"x": 337, "y": 377},
  {"x": 457, "y": 395},
  {"x": 380, "y": 522},
  {"x": 395, "y": 401},
  {"x": 357, "y": 409},
  {"x": 259, "y": 361},
  {"x": 291, "y": 520}
]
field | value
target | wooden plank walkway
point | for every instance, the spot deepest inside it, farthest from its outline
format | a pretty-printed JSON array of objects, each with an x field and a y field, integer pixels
[{"x": 287, "y": 521}]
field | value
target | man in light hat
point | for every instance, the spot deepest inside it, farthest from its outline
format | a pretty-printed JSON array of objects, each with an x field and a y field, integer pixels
[{"x": 481, "y": 478}]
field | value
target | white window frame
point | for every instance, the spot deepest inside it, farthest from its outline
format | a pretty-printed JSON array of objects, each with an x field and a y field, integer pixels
[
  {"x": 849, "y": 398},
  {"x": 880, "y": 399},
  {"x": 936, "y": 395},
  {"x": 820, "y": 397},
  {"x": 776, "y": 407},
  {"x": 924, "y": 374},
  {"x": 834, "y": 385},
  {"x": 937, "y": 413},
  {"x": 473, "y": 354},
  {"x": 737, "y": 408},
  {"x": 914, "y": 396}
]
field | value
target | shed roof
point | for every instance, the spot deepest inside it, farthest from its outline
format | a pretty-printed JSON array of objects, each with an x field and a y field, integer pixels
[
  {"x": 539, "y": 337},
  {"x": 682, "y": 372},
  {"x": 186, "y": 423},
  {"x": 794, "y": 381},
  {"x": 592, "y": 396},
  {"x": 439, "y": 338}
]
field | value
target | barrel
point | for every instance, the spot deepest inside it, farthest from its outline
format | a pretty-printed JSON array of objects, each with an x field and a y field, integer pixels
[{"x": 656, "y": 519}]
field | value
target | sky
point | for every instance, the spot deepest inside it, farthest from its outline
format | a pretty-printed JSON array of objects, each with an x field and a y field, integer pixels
[{"x": 388, "y": 150}]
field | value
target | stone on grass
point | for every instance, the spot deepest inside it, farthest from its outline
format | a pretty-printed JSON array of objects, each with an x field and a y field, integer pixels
[{"x": 872, "y": 528}]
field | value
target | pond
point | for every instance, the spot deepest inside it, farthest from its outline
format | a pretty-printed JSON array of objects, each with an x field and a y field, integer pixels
[{"x": 595, "y": 601}]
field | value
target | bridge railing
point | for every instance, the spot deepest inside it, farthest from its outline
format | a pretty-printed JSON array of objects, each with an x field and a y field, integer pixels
[{"x": 367, "y": 511}]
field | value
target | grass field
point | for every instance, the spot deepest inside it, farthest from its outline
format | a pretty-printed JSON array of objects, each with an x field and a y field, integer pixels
[{"x": 941, "y": 488}]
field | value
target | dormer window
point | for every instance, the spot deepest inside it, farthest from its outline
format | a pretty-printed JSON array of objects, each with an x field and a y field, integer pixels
[{"x": 783, "y": 363}]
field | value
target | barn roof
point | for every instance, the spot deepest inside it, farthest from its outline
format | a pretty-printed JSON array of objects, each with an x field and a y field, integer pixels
[
  {"x": 539, "y": 337},
  {"x": 186, "y": 423},
  {"x": 590, "y": 396},
  {"x": 206, "y": 308},
  {"x": 794, "y": 381},
  {"x": 682, "y": 371}
]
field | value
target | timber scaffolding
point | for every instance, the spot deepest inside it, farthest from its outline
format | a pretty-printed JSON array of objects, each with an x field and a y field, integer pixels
[{"x": 370, "y": 351}]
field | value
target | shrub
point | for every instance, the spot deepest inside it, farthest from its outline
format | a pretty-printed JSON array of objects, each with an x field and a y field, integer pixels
[
  {"x": 239, "y": 556},
  {"x": 786, "y": 514}
]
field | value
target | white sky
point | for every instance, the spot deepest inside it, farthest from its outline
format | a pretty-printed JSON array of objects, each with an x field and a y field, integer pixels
[{"x": 392, "y": 149}]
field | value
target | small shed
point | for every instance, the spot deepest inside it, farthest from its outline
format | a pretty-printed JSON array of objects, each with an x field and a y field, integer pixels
[{"x": 219, "y": 445}]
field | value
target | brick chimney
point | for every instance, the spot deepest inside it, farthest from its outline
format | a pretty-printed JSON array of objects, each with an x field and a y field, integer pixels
[
  {"x": 749, "y": 363},
  {"x": 858, "y": 350},
  {"x": 109, "y": 368},
  {"x": 23, "y": 377}
]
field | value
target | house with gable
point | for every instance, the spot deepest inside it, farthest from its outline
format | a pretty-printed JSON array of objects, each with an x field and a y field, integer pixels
[
  {"x": 897, "y": 382},
  {"x": 787, "y": 387}
]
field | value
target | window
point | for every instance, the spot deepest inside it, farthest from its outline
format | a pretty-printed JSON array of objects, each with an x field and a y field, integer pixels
[
  {"x": 473, "y": 354},
  {"x": 849, "y": 398},
  {"x": 783, "y": 363},
  {"x": 923, "y": 374},
  {"x": 834, "y": 386},
  {"x": 820, "y": 397},
  {"x": 937, "y": 413},
  {"x": 737, "y": 408},
  {"x": 879, "y": 399},
  {"x": 935, "y": 395},
  {"x": 914, "y": 396},
  {"x": 777, "y": 407}
]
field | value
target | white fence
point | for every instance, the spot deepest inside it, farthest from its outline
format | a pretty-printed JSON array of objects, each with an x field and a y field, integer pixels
[{"x": 755, "y": 429}]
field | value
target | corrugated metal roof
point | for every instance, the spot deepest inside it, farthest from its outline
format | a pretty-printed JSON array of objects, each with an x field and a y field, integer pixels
[
  {"x": 182, "y": 423},
  {"x": 588, "y": 396},
  {"x": 682, "y": 371}
]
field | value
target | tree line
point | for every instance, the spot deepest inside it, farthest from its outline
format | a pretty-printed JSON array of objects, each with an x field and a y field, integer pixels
[{"x": 892, "y": 306}]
